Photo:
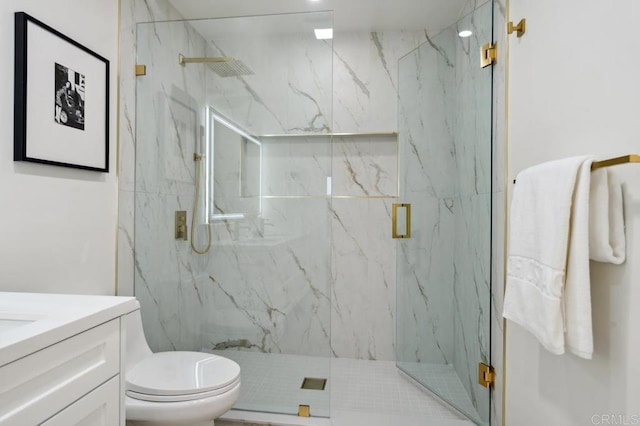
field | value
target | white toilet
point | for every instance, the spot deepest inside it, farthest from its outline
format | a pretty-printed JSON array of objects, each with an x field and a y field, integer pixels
[{"x": 175, "y": 388}]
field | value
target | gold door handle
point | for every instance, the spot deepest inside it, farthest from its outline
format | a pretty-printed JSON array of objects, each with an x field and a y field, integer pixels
[{"x": 394, "y": 220}]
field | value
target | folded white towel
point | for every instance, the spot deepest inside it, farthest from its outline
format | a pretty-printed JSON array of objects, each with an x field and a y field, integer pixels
[
  {"x": 606, "y": 222},
  {"x": 549, "y": 230},
  {"x": 577, "y": 291}
]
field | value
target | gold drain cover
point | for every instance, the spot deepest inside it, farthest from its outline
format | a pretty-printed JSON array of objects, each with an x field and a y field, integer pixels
[{"x": 313, "y": 383}]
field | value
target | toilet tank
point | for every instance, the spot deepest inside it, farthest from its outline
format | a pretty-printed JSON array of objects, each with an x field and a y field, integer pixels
[{"x": 137, "y": 347}]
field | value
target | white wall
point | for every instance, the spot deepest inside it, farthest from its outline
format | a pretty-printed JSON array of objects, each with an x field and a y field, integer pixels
[
  {"x": 573, "y": 90},
  {"x": 58, "y": 224}
]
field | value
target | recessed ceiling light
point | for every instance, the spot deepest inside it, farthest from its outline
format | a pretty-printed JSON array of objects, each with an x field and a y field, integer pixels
[
  {"x": 323, "y": 33},
  {"x": 465, "y": 33}
]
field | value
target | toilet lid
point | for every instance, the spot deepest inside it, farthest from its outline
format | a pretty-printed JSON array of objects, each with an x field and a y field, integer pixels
[{"x": 181, "y": 373}]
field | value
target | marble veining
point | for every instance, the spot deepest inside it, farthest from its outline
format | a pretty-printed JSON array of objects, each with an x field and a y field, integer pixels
[
  {"x": 249, "y": 90},
  {"x": 439, "y": 50},
  {"x": 365, "y": 166},
  {"x": 363, "y": 280},
  {"x": 445, "y": 144},
  {"x": 354, "y": 76},
  {"x": 312, "y": 127},
  {"x": 365, "y": 78},
  {"x": 376, "y": 37},
  {"x": 425, "y": 300},
  {"x": 295, "y": 66}
]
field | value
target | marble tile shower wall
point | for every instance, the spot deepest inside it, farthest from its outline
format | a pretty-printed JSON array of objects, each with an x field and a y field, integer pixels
[
  {"x": 131, "y": 12},
  {"x": 472, "y": 285},
  {"x": 361, "y": 253},
  {"x": 449, "y": 179},
  {"x": 269, "y": 282},
  {"x": 290, "y": 91},
  {"x": 182, "y": 289},
  {"x": 168, "y": 276},
  {"x": 429, "y": 176},
  {"x": 268, "y": 295},
  {"x": 365, "y": 184},
  {"x": 366, "y": 78}
]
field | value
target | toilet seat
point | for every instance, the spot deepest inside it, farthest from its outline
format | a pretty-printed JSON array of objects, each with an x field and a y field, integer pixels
[
  {"x": 181, "y": 398},
  {"x": 181, "y": 376}
]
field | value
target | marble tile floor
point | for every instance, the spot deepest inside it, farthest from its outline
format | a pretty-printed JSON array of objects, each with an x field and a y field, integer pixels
[{"x": 358, "y": 393}]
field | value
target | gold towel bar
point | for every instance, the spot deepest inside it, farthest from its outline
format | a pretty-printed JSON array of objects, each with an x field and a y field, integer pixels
[{"x": 631, "y": 158}]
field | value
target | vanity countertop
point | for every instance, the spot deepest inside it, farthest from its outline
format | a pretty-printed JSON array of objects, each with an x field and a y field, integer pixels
[{"x": 30, "y": 322}]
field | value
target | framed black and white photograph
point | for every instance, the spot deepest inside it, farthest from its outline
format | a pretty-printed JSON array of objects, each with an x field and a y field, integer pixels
[{"x": 61, "y": 99}]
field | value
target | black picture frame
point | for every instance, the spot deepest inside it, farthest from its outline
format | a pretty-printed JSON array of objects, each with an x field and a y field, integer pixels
[{"x": 61, "y": 104}]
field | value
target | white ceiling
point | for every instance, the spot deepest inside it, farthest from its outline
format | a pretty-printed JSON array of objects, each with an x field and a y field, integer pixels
[{"x": 349, "y": 15}]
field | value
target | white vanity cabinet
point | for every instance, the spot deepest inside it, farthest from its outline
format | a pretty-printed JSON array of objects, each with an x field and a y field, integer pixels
[
  {"x": 101, "y": 406},
  {"x": 77, "y": 380}
]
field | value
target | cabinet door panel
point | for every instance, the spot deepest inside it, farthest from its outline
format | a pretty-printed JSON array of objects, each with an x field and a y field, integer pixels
[
  {"x": 45, "y": 382},
  {"x": 101, "y": 407}
]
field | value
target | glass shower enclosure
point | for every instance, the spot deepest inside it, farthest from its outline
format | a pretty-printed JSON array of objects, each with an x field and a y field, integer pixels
[
  {"x": 444, "y": 267},
  {"x": 232, "y": 212},
  {"x": 234, "y": 204}
]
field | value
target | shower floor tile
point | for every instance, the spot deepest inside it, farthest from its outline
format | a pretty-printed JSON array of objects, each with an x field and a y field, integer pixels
[
  {"x": 443, "y": 380},
  {"x": 377, "y": 387},
  {"x": 271, "y": 382},
  {"x": 360, "y": 391}
]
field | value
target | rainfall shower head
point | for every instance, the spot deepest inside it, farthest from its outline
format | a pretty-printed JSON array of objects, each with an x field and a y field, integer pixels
[
  {"x": 224, "y": 66},
  {"x": 233, "y": 68}
]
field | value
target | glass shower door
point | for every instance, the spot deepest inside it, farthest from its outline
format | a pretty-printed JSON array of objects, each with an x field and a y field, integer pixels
[
  {"x": 232, "y": 119},
  {"x": 443, "y": 267}
]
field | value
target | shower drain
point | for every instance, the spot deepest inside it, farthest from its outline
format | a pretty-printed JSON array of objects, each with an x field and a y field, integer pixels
[{"x": 313, "y": 383}]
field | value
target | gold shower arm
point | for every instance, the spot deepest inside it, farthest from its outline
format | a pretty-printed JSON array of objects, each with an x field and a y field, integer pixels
[{"x": 202, "y": 60}]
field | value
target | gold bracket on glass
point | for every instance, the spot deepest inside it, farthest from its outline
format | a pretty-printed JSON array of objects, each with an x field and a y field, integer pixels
[
  {"x": 486, "y": 375},
  {"x": 141, "y": 70},
  {"x": 304, "y": 411},
  {"x": 519, "y": 29},
  {"x": 394, "y": 220},
  {"x": 488, "y": 54}
]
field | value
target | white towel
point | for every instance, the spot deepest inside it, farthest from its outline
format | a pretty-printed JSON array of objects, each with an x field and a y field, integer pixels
[
  {"x": 549, "y": 232},
  {"x": 606, "y": 222},
  {"x": 577, "y": 292}
]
